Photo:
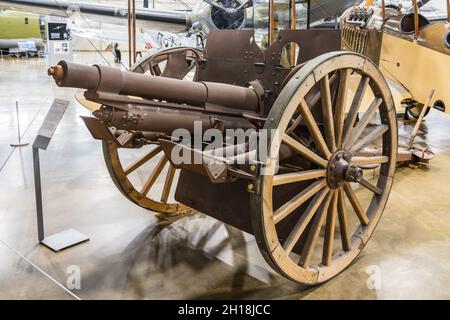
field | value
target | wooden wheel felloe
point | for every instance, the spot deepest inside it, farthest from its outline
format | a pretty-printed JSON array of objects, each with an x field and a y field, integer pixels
[
  {"x": 145, "y": 176},
  {"x": 314, "y": 212}
]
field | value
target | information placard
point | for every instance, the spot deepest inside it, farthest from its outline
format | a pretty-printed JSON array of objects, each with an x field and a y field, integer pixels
[{"x": 50, "y": 123}]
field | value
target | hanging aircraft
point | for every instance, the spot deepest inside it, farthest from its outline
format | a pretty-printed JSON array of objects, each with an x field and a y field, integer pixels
[{"x": 159, "y": 28}]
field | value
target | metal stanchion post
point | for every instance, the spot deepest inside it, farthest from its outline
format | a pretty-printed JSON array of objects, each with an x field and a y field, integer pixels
[
  {"x": 38, "y": 193},
  {"x": 20, "y": 143}
]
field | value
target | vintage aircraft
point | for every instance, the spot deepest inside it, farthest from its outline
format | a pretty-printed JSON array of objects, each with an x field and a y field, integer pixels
[
  {"x": 411, "y": 42},
  {"x": 161, "y": 29},
  {"x": 16, "y": 27}
]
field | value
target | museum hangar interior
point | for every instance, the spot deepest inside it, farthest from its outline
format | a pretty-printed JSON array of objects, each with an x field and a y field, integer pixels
[{"x": 224, "y": 149}]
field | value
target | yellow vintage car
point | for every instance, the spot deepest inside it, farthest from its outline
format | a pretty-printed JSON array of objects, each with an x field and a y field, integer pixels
[{"x": 410, "y": 40}]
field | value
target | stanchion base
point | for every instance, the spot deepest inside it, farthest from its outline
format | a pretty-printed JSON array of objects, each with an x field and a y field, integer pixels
[
  {"x": 19, "y": 144},
  {"x": 64, "y": 239}
]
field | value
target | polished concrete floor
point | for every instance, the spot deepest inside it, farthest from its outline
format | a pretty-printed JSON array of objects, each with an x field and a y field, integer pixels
[{"x": 132, "y": 255}]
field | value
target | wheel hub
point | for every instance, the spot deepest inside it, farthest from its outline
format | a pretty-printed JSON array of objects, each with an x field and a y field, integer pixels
[{"x": 340, "y": 170}]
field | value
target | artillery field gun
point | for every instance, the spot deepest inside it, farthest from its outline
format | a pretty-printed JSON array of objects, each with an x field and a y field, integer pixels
[
  {"x": 302, "y": 157},
  {"x": 315, "y": 196}
]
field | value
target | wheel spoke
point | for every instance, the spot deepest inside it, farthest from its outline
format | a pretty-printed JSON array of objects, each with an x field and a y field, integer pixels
[
  {"x": 168, "y": 184},
  {"x": 314, "y": 129},
  {"x": 327, "y": 112},
  {"x": 329, "y": 230},
  {"x": 371, "y": 187},
  {"x": 139, "y": 162},
  {"x": 298, "y": 176},
  {"x": 358, "y": 130},
  {"x": 361, "y": 161},
  {"x": 142, "y": 160},
  {"x": 372, "y": 136},
  {"x": 298, "y": 200},
  {"x": 154, "y": 175},
  {"x": 312, "y": 102},
  {"x": 356, "y": 204},
  {"x": 341, "y": 104},
  {"x": 306, "y": 217},
  {"x": 304, "y": 151},
  {"x": 316, "y": 98},
  {"x": 317, "y": 223},
  {"x": 343, "y": 227},
  {"x": 294, "y": 124},
  {"x": 353, "y": 113}
]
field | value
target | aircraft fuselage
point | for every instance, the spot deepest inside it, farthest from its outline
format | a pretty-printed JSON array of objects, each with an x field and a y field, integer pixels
[{"x": 18, "y": 26}]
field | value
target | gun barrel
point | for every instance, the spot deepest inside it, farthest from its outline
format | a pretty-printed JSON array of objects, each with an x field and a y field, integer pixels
[{"x": 99, "y": 78}]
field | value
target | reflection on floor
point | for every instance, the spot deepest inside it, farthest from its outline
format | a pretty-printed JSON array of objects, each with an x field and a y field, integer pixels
[{"x": 133, "y": 255}]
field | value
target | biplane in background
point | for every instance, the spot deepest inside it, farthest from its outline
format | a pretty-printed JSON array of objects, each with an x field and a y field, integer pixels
[{"x": 410, "y": 40}]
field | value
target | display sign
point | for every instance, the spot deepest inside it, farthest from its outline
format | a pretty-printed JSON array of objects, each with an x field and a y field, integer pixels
[
  {"x": 23, "y": 46},
  {"x": 27, "y": 45},
  {"x": 57, "y": 31},
  {"x": 50, "y": 123},
  {"x": 61, "y": 47},
  {"x": 70, "y": 237},
  {"x": 59, "y": 40}
]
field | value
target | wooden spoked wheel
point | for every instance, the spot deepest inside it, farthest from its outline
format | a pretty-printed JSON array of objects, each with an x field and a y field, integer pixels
[
  {"x": 314, "y": 212},
  {"x": 173, "y": 62},
  {"x": 145, "y": 176}
]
